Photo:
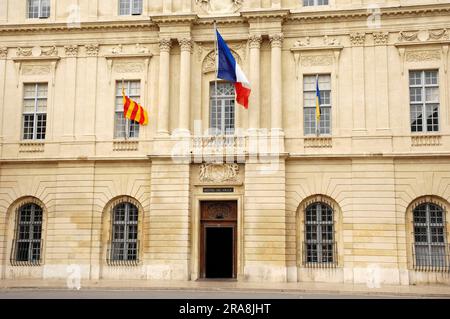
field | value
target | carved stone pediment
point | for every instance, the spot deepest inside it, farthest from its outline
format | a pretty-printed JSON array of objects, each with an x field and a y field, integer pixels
[
  {"x": 209, "y": 63},
  {"x": 220, "y": 6},
  {"x": 219, "y": 173}
]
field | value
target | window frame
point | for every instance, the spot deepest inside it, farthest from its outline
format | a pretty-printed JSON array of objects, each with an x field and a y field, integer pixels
[
  {"x": 428, "y": 258},
  {"x": 132, "y": 8},
  {"x": 319, "y": 242},
  {"x": 124, "y": 251},
  {"x": 315, "y": 3},
  {"x": 132, "y": 128},
  {"x": 324, "y": 130},
  {"x": 31, "y": 231},
  {"x": 229, "y": 128},
  {"x": 423, "y": 103},
  {"x": 35, "y": 113},
  {"x": 41, "y": 13}
]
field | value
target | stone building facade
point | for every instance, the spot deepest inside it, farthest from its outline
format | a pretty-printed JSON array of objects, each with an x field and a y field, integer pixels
[{"x": 366, "y": 199}]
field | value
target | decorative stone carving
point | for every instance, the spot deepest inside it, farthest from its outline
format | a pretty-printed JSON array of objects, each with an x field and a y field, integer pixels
[
  {"x": 255, "y": 41},
  {"x": 219, "y": 173},
  {"x": 185, "y": 44},
  {"x": 129, "y": 67},
  {"x": 408, "y": 36},
  {"x": 276, "y": 40},
  {"x": 330, "y": 41},
  {"x": 36, "y": 69},
  {"x": 358, "y": 39},
  {"x": 423, "y": 55},
  {"x": 438, "y": 34},
  {"x": 141, "y": 49},
  {"x": 316, "y": 60},
  {"x": 52, "y": 51},
  {"x": 71, "y": 50},
  {"x": 303, "y": 43},
  {"x": 92, "y": 49},
  {"x": 117, "y": 50},
  {"x": 209, "y": 63},
  {"x": 380, "y": 38},
  {"x": 165, "y": 45},
  {"x": 24, "y": 52},
  {"x": 220, "y": 6},
  {"x": 3, "y": 52},
  {"x": 240, "y": 48}
]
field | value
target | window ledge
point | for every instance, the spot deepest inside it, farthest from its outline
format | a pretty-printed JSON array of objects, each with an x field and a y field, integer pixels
[
  {"x": 425, "y": 140},
  {"x": 318, "y": 142},
  {"x": 31, "y": 147},
  {"x": 125, "y": 146}
]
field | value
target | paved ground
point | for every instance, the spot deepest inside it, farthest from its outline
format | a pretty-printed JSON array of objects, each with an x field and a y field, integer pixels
[
  {"x": 172, "y": 294},
  {"x": 212, "y": 289}
]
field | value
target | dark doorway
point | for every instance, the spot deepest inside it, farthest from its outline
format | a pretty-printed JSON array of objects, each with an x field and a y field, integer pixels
[
  {"x": 218, "y": 239},
  {"x": 219, "y": 252}
]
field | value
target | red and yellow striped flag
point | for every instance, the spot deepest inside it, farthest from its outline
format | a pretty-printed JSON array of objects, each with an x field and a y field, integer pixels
[{"x": 133, "y": 111}]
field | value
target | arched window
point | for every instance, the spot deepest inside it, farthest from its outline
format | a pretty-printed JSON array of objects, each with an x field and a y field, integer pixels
[
  {"x": 124, "y": 234},
  {"x": 27, "y": 243},
  {"x": 429, "y": 237},
  {"x": 320, "y": 245}
]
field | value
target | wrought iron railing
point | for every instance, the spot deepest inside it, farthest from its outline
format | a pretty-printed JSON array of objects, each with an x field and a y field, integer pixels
[
  {"x": 120, "y": 255},
  {"x": 21, "y": 256},
  {"x": 320, "y": 255},
  {"x": 431, "y": 257}
]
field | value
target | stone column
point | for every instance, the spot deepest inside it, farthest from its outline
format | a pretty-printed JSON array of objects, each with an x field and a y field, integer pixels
[
  {"x": 255, "y": 74},
  {"x": 276, "y": 42},
  {"x": 164, "y": 83},
  {"x": 185, "y": 85}
]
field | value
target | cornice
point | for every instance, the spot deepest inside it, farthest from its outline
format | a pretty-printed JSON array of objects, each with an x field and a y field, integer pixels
[
  {"x": 265, "y": 14},
  {"x": 363, "y": 13},
  {"x": 88, "y": 26},
  {"x": 174, "y": 18}
]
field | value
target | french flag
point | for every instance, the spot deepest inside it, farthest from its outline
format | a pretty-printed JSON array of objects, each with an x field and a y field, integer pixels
[{"x": 229, "y": 70}]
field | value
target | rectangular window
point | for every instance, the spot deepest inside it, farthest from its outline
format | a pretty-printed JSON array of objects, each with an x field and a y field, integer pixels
[
  {"x": 309, "y": 3},
  {"x": 130, "y": 7},
  {"x": 35, "y": 111},
  {"x": 424, "y": 100},
  {"x": 38, "y": 9},
  {"x": 222, "y": 115},
  {"x": 309, "y": 103},
  {"x": 125, "y": 128}
]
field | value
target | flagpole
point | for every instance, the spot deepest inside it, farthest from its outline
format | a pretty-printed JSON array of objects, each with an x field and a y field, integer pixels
[
  {"x": 216, "y": 50},
  {"x": 317, "y": 118},
  {"x": 126, "y": 120}
]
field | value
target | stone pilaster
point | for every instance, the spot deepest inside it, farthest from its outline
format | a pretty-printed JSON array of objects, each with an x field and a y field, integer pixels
[{"x": 165, "y": 45}]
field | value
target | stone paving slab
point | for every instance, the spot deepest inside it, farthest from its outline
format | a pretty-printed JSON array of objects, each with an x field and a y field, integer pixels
[{"x": 422, "y": 290}]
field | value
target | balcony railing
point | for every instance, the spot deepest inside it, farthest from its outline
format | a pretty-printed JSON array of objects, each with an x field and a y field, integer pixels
[
  {"x": 320, "y": 255},
  {"x": 218, "y": 144},
  {"x": 431, "y": 257},
  {"x": 123, "y": 254}
]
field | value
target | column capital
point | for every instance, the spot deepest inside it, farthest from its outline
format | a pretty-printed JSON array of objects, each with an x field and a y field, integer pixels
[
  {"x": 185, "y": 44},
  {"x": 276, "y": 40},
  {"x": 165, "y": 44},
  {"x": 255, "y": 41}
]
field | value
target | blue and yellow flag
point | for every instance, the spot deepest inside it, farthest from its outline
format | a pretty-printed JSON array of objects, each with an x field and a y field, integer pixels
[{"x": 318, "y": 102}]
